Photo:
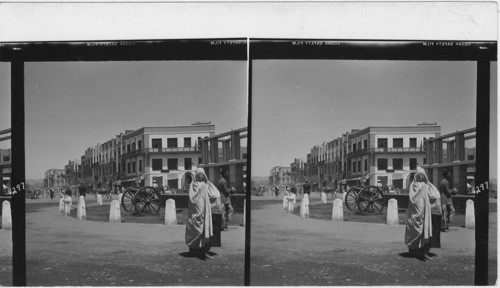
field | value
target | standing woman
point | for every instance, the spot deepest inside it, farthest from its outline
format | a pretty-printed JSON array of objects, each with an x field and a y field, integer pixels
[
  {"x": 418, "y": 223},
  {"x": 199, "y": 223}
]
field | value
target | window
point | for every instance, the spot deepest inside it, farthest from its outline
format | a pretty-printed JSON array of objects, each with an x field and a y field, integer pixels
[
  {"x": 133, "y": 167},
  {"x": 188, "y": 165},
  {"x": 140, "y": 166},
  {"x": 156, "y": 143},
  {"x": 157, "y": 164},
  {"x": 199, "y": 160},
  {"x": 354, "y": 167},
  {"x": 413, "y": 163},
  {"x": 397, "y": 142},
  {"x": 172, "y": 143},
  {"x": 382, "y": 164},
  {"x": 365, "y": 143},
  {"x": 133, "y": 146},
  {"x": 6, "y": 158},
  {"x": 397, "y": 164},
  {"x": 187, "y": 142},
  {"x": 128, "y": 148},
  {"x": 354, "y": 147},
  {"x": 139, "y": 144},
  {"x": 128, "y": 167},
  {"x": 413, "y": 142},
  {"x": 172, "y": 164},
  {"x": 359, "y": 165},
  {"x": 382, "y": 143},
  {"x": 366, "y": 164}
]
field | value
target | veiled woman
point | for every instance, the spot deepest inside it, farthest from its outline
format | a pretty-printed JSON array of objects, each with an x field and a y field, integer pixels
[
  {"x": 199, "y": 226},
  {"x": 418, "y": 223}
]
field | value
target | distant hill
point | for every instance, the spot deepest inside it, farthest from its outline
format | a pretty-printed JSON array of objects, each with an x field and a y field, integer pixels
[{"x": 34, "y": 181}]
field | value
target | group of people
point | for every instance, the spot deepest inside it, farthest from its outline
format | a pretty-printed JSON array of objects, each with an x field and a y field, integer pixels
[
  {"x": 430, "y": 212},
  {"x": 209, "y": 212}
]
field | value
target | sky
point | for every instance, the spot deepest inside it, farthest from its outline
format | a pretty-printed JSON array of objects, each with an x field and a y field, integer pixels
[
  {"x": 301, "y": 103},
  {"x": 5, "y": 102},
  {"x": 71, "y": 106}
]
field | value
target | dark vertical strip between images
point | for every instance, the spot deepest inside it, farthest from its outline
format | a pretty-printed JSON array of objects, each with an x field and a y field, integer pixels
[
  {"x": 481, "y": 203},
  {"x": 18, "y": 173},
  {"x": 248, "y": 207}
]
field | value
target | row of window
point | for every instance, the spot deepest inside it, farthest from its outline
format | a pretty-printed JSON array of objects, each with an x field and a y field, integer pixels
[
  {"x": 382, "y": 164},
  {"x": 157, "y": 165}
]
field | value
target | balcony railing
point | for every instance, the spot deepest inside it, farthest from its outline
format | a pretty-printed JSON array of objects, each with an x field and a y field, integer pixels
[
  {"x": 386, "y": 150},
  {"x": 161, "y": 150}
]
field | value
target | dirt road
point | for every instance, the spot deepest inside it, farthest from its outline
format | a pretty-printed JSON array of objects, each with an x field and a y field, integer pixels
[
  {"x": 289, "y": 250},
  {"x": 62, "y": 251}
]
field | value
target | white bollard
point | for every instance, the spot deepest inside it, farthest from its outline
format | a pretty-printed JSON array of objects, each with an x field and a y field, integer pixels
[
  {"x": 304, "y": 206},
  {"x": 61, "y": 206},
  {"x": 290, "y": 206},
  {"x": 244, "y": 212},
  {"x": 6, "y": 216},
  {"x": 323, "y": 197},
  {"x": 120, "y": 195},
  {"x": 285, "y": 204},
  {"x": 67, "y": 205},
  {"x": 392, "y": 212},
  {"x": 114, "y": 212},
  {"x": 470, "y": 221},
  {"x": 99, "y": 199},
  {"x": 170, "y": 213},
  {"x": 81, "y": 213},
  {"x": 337, "y": 210}
]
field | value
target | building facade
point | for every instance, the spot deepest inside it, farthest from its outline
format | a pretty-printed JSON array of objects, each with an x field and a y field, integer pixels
[
  {"x": 73, "y": 173},
  {"x": 298, "y": 171},
  {"x": 387, "y": 154},
  {"x": 280, "y": 175},
  {"x": 165, "y": 155},
  {"x": 6, "y": 166},
  {"x": 54, "y": 178}
]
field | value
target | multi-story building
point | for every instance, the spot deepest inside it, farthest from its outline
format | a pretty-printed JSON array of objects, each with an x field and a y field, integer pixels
[
  {"x": 166, "y": 155},
  {"x": 73, "y": 172},
  {"x": 280, "y": 175},
  {"x": 227, "y": 151},
  {"x": 387, "y": 154},
  {"x": 54, "y": 178},
  {"x": 298, "y": 171},
  {"x": 5, "y": 166}
]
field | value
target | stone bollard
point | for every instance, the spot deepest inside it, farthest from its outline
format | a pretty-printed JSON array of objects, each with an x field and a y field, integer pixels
[
  {"x": 114, "y": 212},
  {"x": 81, "y": 213},
  {"x": 290, "y": 206},
  {"x": 61, "y": 206},
  {"x": 337, "y": 210},
  {"x": 323, "y": 197},
  {"x": 285, "y": 204},
  {"x": 304, "y": 206},
  {"x": 99, "y": 199},
  {"x": 392, "y": 212},
  {"x": 470, "y": 221},
  {"x": 6, "y": 216},
  {"x": 170, "y": 213},
  {"x": 67, "y": 205}
]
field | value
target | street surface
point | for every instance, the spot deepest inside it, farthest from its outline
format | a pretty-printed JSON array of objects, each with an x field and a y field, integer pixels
[
  {"x": 289, "y": 250},
  {"x": 63, "y": 251}
]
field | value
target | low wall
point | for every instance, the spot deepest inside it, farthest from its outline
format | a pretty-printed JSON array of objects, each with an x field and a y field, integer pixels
[
  {"x": 182, "y": 200},
  {"x": 459, "y": 201}
]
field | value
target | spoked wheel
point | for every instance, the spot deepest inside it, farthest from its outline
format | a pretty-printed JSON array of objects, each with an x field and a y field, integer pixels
[
  {"x": 371, "y": 199},
  {"x": 351, "y": 199},
  {"x": 128, "y": 200},
  {"x": 148, "y": 200}
]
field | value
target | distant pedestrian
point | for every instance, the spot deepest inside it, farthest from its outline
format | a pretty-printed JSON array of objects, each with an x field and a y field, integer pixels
[
  {"x": 225, "y": 190},
  {"x": 446, "y": 192},
  {"x": 52, "y": 194},
  {"x": 306, "y": 187},
  {"x": 82, "y": 190},
  {"x": 276, "y": 191},
  {"x": 155, "y": 185}
]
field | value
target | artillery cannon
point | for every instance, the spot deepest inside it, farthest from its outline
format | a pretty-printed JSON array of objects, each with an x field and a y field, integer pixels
[
  {"x": 141, "y": 201},
  {"x": 365, "y": 199}
]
